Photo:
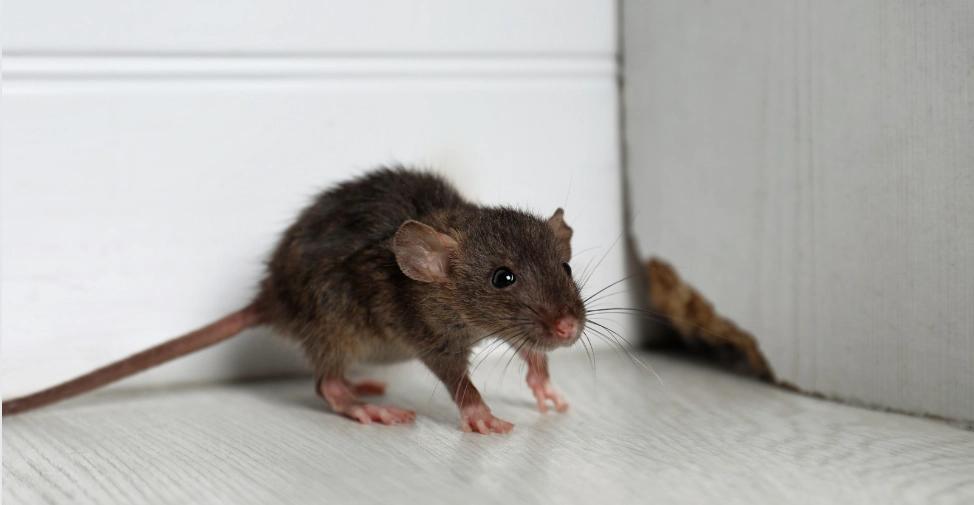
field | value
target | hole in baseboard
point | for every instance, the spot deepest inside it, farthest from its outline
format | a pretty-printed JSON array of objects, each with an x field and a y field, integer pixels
[{"x": 692, "y": 326}]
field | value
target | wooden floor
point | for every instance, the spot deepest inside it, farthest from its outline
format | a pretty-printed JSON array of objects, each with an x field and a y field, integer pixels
[{"x": 703, "y": 437}]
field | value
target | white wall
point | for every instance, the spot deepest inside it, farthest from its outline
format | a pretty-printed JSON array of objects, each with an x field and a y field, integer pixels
[
  {"x": 152, "y": 151},
  {"x": 809, "y": 165}
]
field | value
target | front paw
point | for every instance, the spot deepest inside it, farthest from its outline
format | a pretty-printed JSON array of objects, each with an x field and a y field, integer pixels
[
  {"x": 477, "y": 418},
  {"x": 544, "y": 390}
]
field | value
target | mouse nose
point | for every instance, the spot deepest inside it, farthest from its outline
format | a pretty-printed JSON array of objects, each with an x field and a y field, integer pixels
[{"x": 566, "y": 327}]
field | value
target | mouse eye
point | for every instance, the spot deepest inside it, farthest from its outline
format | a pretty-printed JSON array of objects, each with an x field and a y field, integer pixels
[
  {"x": 503, "y": 278},
  {"x": 567, "y": 267}
]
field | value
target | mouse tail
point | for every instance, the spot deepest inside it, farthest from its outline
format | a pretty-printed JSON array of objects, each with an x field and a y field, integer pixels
[{"x": 180, "y": 346}]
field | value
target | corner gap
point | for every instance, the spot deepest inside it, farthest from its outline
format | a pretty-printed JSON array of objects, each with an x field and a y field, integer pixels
[{"x": 694, "y": 328}]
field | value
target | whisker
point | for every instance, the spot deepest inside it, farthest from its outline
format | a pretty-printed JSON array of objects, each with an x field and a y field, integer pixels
[
  {"x": 595, "y": 383},
  {"x": 626, "y": 278},
  {"x": 523, "y": 342},
  {"x": 634, "y": 358},
  {"x": 607, "y": 295},
  {"x": 582, "y": 275},
  {"x": 616, "y": 346},
  {"x": 652, "y": 315},
  {"x": 583, "y": 251},
  {"x": 614, "y": 350},
  {"x": 485, "y": 337},
  {"x": 530, "y": 308},
  {"x": 591, "y": 359},
  {"x": 492, "y": 348},
  {"x": 616, "y": 241},
  {"x": 570, "y": 180},
  {"x": 493, "y": 368},
  {"x": 483, "y": 353},
  {"x": 611, "y": 331},
  {"x": 590, "y": 355}
]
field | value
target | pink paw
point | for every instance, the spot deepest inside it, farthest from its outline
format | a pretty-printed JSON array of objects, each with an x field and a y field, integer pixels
[
  {"x": 340, "y": 394},
  {"x": 366, "y": 413},
  {"x": 477, "y": 418},
  {"x": 544, "y": 390}
]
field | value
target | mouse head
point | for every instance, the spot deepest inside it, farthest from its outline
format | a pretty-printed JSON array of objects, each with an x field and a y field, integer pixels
[{"x": 502, "y": 271}]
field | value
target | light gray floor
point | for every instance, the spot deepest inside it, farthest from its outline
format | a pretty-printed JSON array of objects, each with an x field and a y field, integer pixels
[{"x": 704, "y": 437}]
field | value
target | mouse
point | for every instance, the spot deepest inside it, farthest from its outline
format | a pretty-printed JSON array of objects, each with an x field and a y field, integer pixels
[{"x": 396, "y": 265}]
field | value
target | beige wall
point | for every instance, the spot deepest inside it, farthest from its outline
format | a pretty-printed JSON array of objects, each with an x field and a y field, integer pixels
[{"x": 810, "y": 166}]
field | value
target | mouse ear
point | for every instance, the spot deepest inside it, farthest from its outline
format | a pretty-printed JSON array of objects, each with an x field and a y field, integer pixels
[
  {"x": 423, "y": 253},
  {"x": 563, "y": 233}
]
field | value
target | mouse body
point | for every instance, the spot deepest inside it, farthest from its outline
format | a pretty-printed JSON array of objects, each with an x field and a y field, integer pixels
[{"x": 396, "y": 265}]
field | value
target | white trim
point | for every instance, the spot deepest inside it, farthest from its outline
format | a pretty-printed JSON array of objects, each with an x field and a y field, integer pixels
[{"x": 229, "y": 67}]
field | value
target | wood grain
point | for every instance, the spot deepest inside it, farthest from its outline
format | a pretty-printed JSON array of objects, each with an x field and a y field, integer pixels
[{"x": 703, "y": 437}]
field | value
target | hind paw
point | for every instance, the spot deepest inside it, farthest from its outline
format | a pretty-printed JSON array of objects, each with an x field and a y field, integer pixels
[{"x": 340, "y": 394}]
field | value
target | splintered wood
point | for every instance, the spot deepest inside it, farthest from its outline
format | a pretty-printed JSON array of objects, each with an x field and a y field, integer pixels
[{"x": 698, "y": 324}]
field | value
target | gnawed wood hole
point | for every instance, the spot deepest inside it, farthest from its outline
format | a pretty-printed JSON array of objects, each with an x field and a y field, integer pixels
[{"x": 700, "y": 329}]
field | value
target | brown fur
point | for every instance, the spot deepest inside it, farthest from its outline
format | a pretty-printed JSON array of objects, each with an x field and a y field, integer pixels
[{"x": 334, "y": 285}]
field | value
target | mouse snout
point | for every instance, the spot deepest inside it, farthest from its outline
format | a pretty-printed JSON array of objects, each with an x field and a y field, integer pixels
[{"x": 565, "y": 327}]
